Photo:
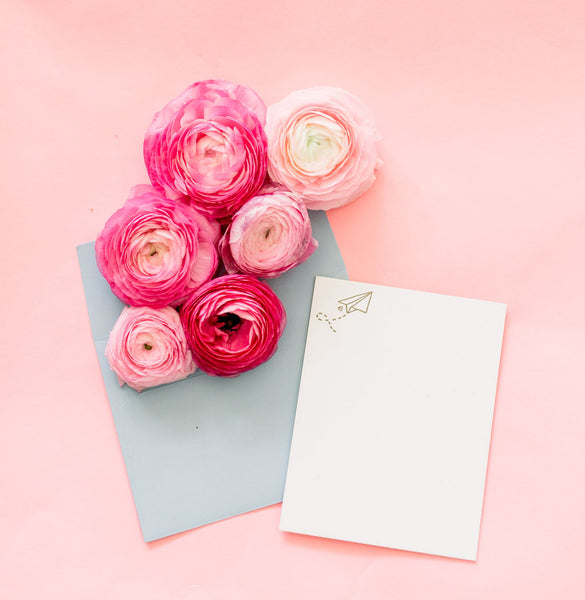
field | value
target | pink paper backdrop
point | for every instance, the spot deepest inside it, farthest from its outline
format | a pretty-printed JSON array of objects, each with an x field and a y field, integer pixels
[{"x": 481, "y": 108}]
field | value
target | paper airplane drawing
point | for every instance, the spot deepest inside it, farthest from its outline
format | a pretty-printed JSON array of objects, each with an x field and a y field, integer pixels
[{"x": 359, "y": 302}]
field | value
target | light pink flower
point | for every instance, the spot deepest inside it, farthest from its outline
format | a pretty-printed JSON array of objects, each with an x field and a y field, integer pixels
[
  {"x": 208, "y": 147},
  {"x": 269, "y": 235},
  {"x": 147, "y": 347},
  {"x": 322, "y": 145},
  {"x": 154, "y": 251},
  {"x": 232, "y": 324}
]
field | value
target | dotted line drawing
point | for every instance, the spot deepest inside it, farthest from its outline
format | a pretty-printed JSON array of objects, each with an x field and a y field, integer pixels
[{"x": 323, "y": 317}]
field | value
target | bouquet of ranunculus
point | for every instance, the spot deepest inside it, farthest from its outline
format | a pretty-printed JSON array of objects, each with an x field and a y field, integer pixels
[{"x": 231, "y": 182}]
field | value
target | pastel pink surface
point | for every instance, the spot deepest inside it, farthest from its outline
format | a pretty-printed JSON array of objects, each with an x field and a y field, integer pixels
[{"x": 482, "y": 194}]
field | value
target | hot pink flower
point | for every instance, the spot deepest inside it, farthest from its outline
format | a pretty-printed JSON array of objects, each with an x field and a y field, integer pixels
[
  {"x": 154, "y": 251},
  {"x": 269, "y": 235},
  {"x": 232, "y": 324},
  {"x": 147, "y": 347},
  {"x": 321, "y": 145},
  {"x": 208, "y": 147}
]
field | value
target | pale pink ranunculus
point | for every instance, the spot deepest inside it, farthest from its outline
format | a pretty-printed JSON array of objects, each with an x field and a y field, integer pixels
[
  {"x": 147, "y": 347},
  {"x": 322, "y": 145},
  {"x": 269, "y": 235},
  {"x": 232, "y": 324},
  {"x": 153, "y": 251},
  {"x": 207, "y": 147}
]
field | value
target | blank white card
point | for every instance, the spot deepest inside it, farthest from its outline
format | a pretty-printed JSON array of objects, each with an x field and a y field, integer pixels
[{"x": 394, "y": 417}]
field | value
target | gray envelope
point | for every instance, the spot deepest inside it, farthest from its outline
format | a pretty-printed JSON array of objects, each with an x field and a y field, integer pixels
[{"x": 207, "y": 448}]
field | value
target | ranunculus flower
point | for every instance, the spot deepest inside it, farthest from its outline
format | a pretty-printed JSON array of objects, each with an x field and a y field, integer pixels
[
  {"x": 154, "y": 251},
  {"x": 232, "y": 324},
  {"x": 322, "y": 145},
  {"x": 269, "y": 235},
  {"x": 208, "y": 147},
  {"x": 147, "y": 347}
]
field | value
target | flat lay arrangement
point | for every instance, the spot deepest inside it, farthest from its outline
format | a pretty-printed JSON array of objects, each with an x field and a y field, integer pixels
[
  {"x": 294, "y": 300},
  {"x": 194, "y": 255}
]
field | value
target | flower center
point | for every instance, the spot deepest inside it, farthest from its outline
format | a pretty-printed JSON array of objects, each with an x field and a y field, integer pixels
[
  {"x": 318, "y": 144},
  {"x": 212, "y": 154},
  {"x": 207, "y": 150},
  {"x": 147, "y": 347},
  {"x": 229, "y": 322},
  {"x": 154, "y": 252},
  {"x": 321, "y": 148}
]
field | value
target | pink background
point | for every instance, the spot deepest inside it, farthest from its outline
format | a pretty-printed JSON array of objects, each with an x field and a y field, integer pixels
[{"x": 481, "y": 106}]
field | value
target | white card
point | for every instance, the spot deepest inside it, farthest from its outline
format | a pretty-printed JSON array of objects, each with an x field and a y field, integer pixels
[{"x": 394, "y": 417}]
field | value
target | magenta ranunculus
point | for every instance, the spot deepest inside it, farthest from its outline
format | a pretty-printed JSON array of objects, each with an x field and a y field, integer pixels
[
  {"x": 154, "y": 251},
  {"x": 147, "y": 347},
  {"x": 269, "y": 235},
  {"x": 232, "y": 324},
  {"x": 208, "y": 147},
  {"x": 322, "y": 145}
]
